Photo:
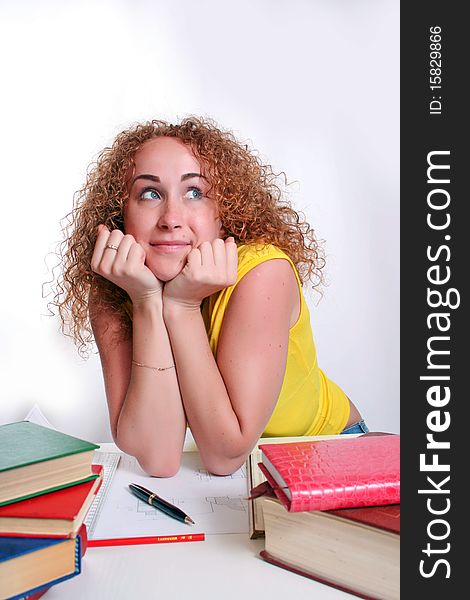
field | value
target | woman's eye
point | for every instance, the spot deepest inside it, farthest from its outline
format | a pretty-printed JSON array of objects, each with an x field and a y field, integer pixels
[
  {"x": 149, "y": 194},
  {"x": 194, "y": 194}
]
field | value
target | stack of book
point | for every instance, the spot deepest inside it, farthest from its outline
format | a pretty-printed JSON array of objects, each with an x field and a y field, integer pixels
[
  {"x": 47, "y": 485},
  {"x": 331, "y": 511}
]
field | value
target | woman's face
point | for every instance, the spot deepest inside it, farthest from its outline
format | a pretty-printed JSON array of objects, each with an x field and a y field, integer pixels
[{"x": 168, "y": 211}]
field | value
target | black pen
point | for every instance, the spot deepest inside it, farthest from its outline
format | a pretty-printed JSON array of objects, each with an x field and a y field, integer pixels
[{"x": 150, "y": 498}]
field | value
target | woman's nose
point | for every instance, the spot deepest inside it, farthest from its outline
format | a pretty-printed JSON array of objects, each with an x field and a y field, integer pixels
[{"x": 171, "y": 216}]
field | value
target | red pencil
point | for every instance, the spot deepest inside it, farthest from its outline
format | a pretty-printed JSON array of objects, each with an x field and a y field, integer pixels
[{"x": 159, "y": 539}]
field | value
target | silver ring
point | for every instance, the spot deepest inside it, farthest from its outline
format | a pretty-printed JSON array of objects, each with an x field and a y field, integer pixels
[{"x": 111, "y": 247}]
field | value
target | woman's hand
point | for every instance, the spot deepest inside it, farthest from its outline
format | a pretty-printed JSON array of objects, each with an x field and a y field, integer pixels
[
  {"x": 209, "y": 268},
  {"x": 120, "y": 259}
]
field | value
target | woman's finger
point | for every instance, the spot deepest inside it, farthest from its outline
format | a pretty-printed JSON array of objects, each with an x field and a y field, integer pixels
[
  {"x": 232, "y": 260},
  {"x": 124, "y": 246},
  {"x": 207, "y": 255},
  {"x": 136, "y": 254},
  {"x": 101, "y": 241},
  {"x": 220, "y": 256},
  {"x": 112, "y": 248},
  {"x": 194, "y": 259}
]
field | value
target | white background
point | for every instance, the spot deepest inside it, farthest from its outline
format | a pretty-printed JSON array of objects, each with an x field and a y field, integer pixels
[{"x": 312, "y": 85}]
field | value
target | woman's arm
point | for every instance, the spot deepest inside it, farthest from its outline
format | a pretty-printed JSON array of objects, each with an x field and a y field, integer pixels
[
  {"x": 229, "y": 402},
  {"x": 146, "y": 413}
]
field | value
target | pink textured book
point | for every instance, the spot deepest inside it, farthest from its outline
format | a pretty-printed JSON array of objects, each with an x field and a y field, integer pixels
[{"x": 331, "y": 474}]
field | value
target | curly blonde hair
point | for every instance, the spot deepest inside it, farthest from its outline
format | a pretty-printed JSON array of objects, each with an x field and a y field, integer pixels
[{"x": 251, "y": 206}]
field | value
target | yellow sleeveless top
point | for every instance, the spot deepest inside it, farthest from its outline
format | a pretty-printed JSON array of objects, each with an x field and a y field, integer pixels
[{"x": 309, "y": 403}]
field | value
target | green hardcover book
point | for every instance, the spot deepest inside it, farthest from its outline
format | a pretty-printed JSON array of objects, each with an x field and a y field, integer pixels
[{"x": 35, "y": 460}]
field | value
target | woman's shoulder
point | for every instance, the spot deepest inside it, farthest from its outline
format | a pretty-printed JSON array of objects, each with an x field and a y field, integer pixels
[{"x": 253, "y": 254}]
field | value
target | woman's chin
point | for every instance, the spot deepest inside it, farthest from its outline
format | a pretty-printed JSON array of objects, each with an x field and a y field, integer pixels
[
  {"x": 166, "y": 273},
  {"x": 165, "y": 277},
  {"x": 166, "y": 267}
]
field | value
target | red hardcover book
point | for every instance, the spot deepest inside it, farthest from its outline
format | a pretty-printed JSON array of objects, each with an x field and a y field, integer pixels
[
  {"x": 56, "y": 514},
  {"x": 326, "y": 475},
  {"x": 385, "y": 517},
  {"x": 37, "y": 595}
]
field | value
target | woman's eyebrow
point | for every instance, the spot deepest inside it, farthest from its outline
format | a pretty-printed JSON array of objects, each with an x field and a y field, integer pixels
[
  {"x": 157, "y": 179},
  {"x": 151, "y": 177},
  {"x": 190, "y": 176}
]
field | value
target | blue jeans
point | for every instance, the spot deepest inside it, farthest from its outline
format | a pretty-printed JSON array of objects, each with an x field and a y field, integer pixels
[{"x": 359, "y": 427}]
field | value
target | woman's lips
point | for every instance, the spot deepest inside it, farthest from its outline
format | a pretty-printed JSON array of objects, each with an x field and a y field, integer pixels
[{"x": 169, "y": 247}]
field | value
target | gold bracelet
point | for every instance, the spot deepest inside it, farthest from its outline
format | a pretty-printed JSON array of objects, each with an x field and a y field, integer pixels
[{"x": 138, "y": 364}]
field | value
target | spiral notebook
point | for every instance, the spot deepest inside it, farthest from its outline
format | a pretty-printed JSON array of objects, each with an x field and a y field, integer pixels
[{"x": 109, "y": 461}]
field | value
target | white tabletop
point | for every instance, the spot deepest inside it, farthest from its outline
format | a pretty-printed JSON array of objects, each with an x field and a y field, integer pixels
[{"x": 222, "y": 567}]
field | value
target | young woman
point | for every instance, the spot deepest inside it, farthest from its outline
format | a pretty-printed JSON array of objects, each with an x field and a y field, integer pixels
[{"x": 188, "y": 264}]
